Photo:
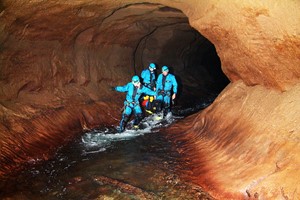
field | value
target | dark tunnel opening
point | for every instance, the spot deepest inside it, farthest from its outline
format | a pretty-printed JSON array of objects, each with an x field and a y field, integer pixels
[{"x": 191, "y": 58}]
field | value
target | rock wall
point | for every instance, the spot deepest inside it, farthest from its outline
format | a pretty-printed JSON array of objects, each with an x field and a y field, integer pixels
[{"x": 245, "y": 145}]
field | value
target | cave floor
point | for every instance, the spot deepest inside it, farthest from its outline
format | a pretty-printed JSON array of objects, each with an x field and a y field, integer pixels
[{"x": 142, "y": 166}]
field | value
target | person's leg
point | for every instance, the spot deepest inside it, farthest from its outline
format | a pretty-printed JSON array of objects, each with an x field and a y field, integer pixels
[
  {"x": 166, "y": 106},
  {"x": 160, "y": 98},
  {"x": 138, "y": 115},
  {"x": 146, "y": 104},
  {"x": 157, "y": 106},
  {"x": 125, "y": 118}
]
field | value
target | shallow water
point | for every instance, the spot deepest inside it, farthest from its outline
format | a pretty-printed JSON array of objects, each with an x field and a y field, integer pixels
[{"x": 103, "y": 164}]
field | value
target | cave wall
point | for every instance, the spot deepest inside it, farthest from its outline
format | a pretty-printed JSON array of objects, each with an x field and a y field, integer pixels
[
  {"x": 245, "y": 144},
  {"x": 253, "y": 39},
  {"x": 59, "y": 64},
  {"x": 247, "y": 140}
]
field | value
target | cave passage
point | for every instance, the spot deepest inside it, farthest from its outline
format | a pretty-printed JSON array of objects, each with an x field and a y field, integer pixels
[
  {"x": 60, "y": 59},
  {"x": 192, "y": 58},
  {"x": 76, "y": 53},
  {"x": 131, "y": 37},
  {"x": 161, "y": 35},
  {"x": 63, "y": 63}
]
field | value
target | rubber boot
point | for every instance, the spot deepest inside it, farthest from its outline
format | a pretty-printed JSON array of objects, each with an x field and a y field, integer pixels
[
  {"x": 137, "y": 119},
  {"x": 166, "y": 109},
  {"x": 123, "y": 122}
]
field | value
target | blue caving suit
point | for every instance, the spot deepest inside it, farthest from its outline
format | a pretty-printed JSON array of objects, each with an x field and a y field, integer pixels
[
  {"x": 132, "y": 102},
  {"x": 148, "y": 78},
  {"x": 163, "y": 87}
]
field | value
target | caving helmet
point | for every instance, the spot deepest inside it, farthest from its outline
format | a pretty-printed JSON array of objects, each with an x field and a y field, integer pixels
[
  {"x": 135, "y": 79},
  {"x": 152, "y": 66},
  {"x": 165, "y": 69}
]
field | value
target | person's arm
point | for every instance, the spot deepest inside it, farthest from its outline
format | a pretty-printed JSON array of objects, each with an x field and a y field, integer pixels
[
  {"x": 122, "y": 88},
  {"x": 159, "y": 83},
  {"x": 143, "y": 74},
  {"x": 146, "y": 76},
  {"x": 175, "y": 85},
  {"x": 148, "y": 91}
]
